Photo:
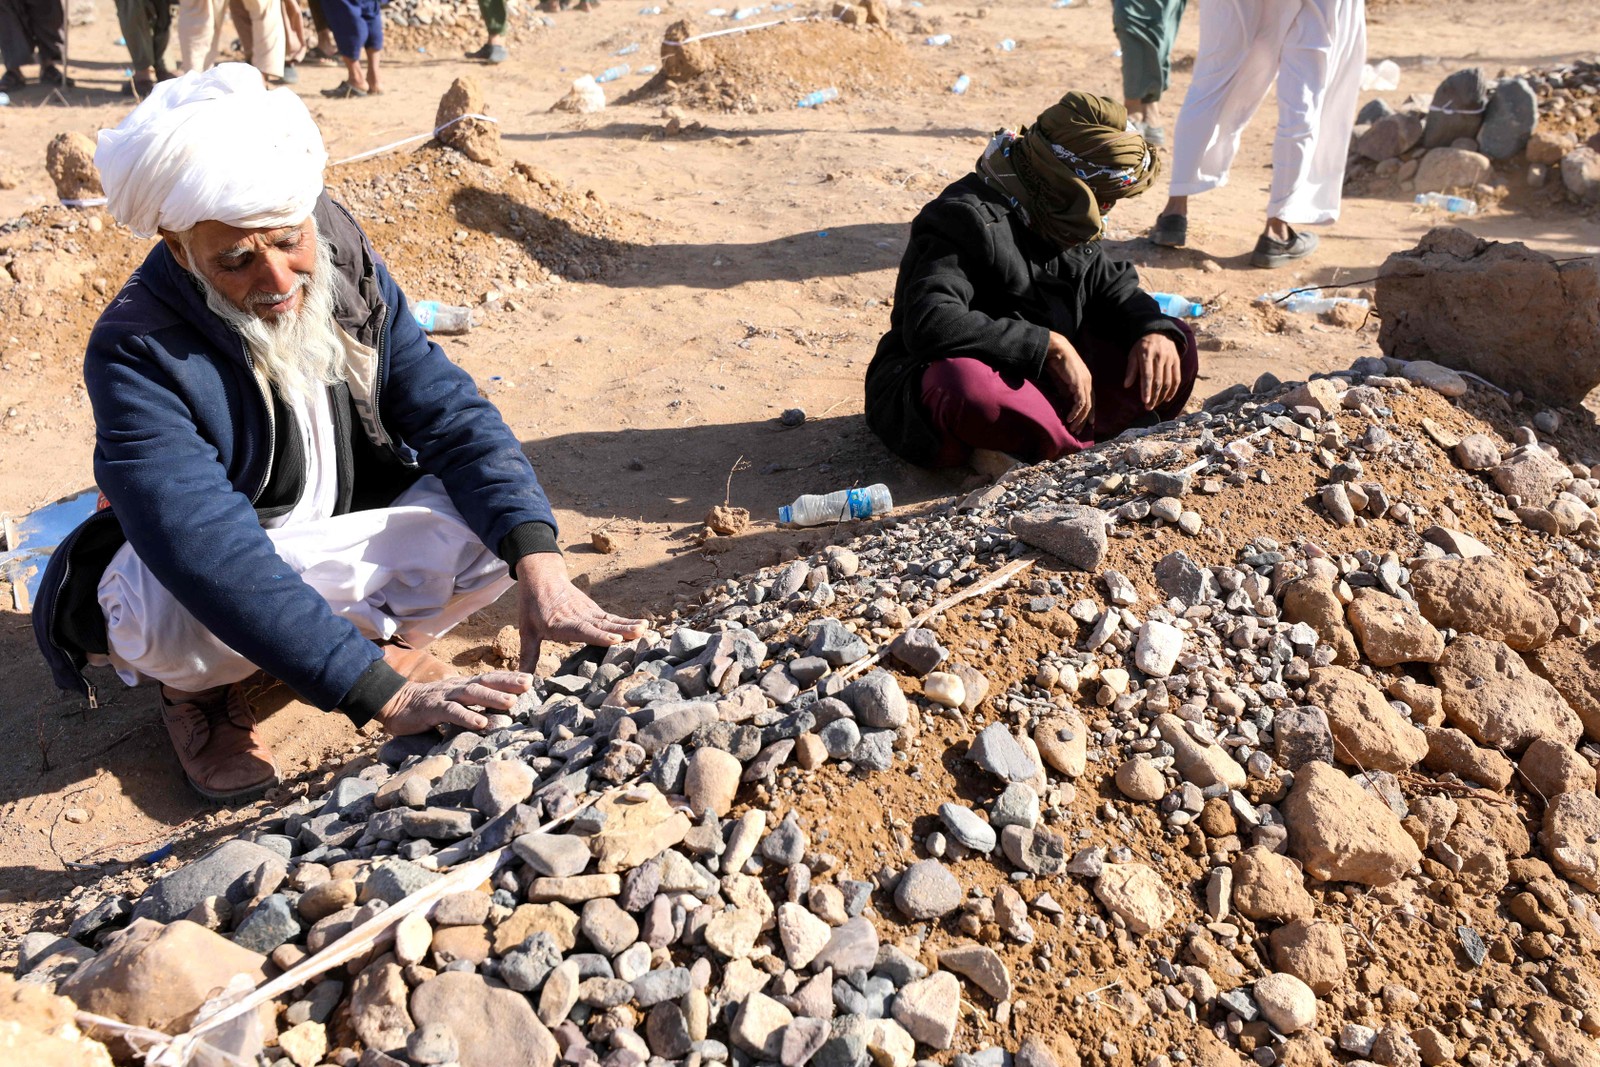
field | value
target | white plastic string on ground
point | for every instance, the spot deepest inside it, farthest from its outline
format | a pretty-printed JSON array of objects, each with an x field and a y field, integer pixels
[
  {"x": 737, "y": 29},
  {"x": 408, "y": 140},
  {"x": 87, "y": 201}
]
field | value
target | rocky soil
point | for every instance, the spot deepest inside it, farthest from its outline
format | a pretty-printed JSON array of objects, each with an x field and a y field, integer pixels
[{"x": 1267, "y": 736}]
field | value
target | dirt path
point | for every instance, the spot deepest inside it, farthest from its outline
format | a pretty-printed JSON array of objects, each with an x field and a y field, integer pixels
[{"x": 761, "y": 253}]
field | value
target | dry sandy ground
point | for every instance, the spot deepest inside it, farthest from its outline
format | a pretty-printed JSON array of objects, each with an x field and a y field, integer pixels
[{"x": 764, "y": 253}]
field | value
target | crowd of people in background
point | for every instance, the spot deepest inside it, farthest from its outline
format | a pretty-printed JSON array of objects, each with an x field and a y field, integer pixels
[{"x": 272, "y": 37}]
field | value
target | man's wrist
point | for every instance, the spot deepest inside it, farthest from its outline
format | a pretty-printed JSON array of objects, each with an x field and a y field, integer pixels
[
  {"x": 527, "y": 539},
  {"x": 376, "y": 687}
]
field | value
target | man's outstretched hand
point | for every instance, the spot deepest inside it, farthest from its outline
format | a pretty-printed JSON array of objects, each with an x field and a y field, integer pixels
[
  {"x": 1154, "y": 366},
  {"x": 552, "y": 608},
  {"x": 420, "y": 706}
]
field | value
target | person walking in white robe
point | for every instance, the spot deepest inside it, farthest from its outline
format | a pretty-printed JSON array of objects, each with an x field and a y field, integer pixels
[{"x": 1313, "y": 50}]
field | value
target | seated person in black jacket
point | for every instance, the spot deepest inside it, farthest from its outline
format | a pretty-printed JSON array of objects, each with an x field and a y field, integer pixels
[{"x": 1012, "y": 330}]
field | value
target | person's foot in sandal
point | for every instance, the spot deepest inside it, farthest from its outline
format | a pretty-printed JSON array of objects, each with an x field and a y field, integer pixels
[
  {"x": 498, "y": 53},
  {"x": 53, "y": 76},
  {"x": 481, "y": 52},
  {"x": 344, "y": 91},
  {"x": 12, "y": 80},
  {"x": 1274, "y": 251},
  {"x": 138, "y": 87},
  {"x": 1170, "y": 231}
]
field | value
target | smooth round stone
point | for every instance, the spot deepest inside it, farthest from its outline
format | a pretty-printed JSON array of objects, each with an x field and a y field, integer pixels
[
  {"x": 927, "y": 890},
  {"x": 1140, "y": 779},
  {"x": 1286, "y": 1002},
  {"x": 944, "y": 688}
]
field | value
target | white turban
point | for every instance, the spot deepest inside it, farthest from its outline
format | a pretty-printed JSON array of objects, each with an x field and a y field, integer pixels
[{"x": 214, "y": 146}]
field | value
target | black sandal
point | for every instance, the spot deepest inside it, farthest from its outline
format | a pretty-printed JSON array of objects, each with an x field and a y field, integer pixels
[
  {"x": 343, "y": 91},
  {"x": 12, "y": 80},
  {"x": 1170, "y": 231}
]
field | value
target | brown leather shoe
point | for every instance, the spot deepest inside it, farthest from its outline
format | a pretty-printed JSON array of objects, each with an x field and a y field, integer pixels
[
  {"x": 415, "y": 664},
  {"x": 214, "y": 733}
]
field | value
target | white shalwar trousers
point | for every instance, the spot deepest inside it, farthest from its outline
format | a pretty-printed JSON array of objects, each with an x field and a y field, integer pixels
[
  {"x": 413, "y": 570},
  {"x": 201, "y": 24},
  {"x": 1314, "y": 49}
]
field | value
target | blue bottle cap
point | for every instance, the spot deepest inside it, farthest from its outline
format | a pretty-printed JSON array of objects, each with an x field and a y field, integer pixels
[{"x": 784, "y": 514}]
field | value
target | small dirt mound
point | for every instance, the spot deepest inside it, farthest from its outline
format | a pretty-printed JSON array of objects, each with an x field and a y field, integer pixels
[
  {"x": 769, "y": 70},
  {"x": 449, "y": 227}
]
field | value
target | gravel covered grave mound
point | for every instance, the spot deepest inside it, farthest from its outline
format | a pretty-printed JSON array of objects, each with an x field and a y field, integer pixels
[{"x": 1265, "y": 737}]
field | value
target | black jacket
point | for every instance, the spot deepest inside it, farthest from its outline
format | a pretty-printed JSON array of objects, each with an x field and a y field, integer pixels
[{"x": 976, "y": 281}]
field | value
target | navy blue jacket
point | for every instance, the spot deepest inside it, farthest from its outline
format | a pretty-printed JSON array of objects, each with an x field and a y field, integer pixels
[{"x": 184, "y": 454}]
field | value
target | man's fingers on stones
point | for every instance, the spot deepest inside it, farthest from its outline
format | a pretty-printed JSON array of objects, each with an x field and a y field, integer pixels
[
  {"x": 506, "y": 681},
  {"x": 461, "y": 716},
  {"x": 483, "y": 696}
]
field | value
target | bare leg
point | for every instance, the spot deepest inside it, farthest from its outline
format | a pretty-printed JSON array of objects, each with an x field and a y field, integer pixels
[
  {"x": 1176, "y": 205},
  {"x": 373, "y": 85},
  {"x": 1278, "y": 230},
  {"x": 352, "y": 73}
]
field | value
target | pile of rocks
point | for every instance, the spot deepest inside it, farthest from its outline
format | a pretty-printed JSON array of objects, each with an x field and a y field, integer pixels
[
  {"x": 1451, "y": 142},
  {"x": 1200, "y": 795}
]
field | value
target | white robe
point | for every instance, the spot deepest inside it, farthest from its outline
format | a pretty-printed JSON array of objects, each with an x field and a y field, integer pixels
[
  {"x": 412, "y": 570},
  {"x": 1315, "y": 50}
]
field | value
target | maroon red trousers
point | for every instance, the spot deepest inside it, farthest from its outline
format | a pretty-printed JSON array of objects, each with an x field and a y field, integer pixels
[{"x": 975, "y": 406}]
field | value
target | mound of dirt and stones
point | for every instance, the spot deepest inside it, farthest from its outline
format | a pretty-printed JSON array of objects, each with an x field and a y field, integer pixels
[
  {"x": 427, "y": 25},
  {"x": 771, "y": 69},
  {"x": 1532, "y": 133},
  {"x": 481, "y": 233},
  {"x": 1281, "y": 752}
]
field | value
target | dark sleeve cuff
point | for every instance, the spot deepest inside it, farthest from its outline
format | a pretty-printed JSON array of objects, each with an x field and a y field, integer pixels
[
  {"x": 376, "y": 687},
  {"x": 525, "y": 540},
  {"x": 1167, "y": 327}
]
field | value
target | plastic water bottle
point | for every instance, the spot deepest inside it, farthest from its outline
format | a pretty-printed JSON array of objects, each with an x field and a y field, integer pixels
[
  {"x": 649, "y": 11},
  {"x": 961, "y": 85},
  {"x": 626, "y": 50},
  {"x": 821, "y": 96},
  {"x": 647, "y": 69},
  {"x": 939, "y": 40},
  {"x": 1063, "y": 3},
  {"x": 1178, "y": 307},
  {"x": 1008, "y": 45},
  {"x": 611, "y": 74},
  {"x": 435, "y": 317},
  {"x": 814, "y": 509},
  {"x": 1309, "y": 302},
  {"x": 1456, "y": 205},
  {"x": 745, "y": 12},
  {"x": 5, "y": 100}
]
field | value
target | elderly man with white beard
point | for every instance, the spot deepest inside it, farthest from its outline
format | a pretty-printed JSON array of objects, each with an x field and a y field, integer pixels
[{"x": 296, "y": 481}]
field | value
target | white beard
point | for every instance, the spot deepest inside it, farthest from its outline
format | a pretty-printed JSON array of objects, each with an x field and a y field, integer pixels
[{"x": 296, "y": 351}]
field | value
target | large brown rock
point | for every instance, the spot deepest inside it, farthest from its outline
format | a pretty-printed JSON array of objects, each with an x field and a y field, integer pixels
[
  {"x": 1311, "y": 951},
  {"x": 1367, "y": 731},
  {"x": 1313, "y": 602},
  {"x": 377, "y": 1013},
  {"x": 493, "y": 1026},
  {"x": 1487, "y": 837},
  {"x": 1484, "y": 596},
  {"x": 1393, "y": 631},
  {"x": 158, "y": 976},
  {"x": 1491, "y": 694},
  {"x": 684, "y": 62},
  {"x": 1453, "y": 752},
  {"x": 1575, "y": 672},
  {"x": 1269, "y": 886},
  {"x": 69, "y": 159},
  {"x": 474, "y": 138},
  {"x": 1571, "y": 837},
  {"x": 37, "y": 1029},
  {"x": 1513, "y": 315},
  {"x": 1342, "y": 833}
]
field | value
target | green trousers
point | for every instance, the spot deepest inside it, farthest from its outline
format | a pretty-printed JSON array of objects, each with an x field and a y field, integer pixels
[
  {"x": 1146, "y": 30},
  {"x": 146, "y": 25},
  {"x": 494, "y": 16}
]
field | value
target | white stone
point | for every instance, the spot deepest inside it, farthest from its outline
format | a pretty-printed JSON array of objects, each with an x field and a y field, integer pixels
[
  {"x": 802, "y": 933},
  {"x": 1159, "y": 646},
  {"x": 945, "y": 688},
  {"x": 929, "y": 1009},
  {"x": 758, "y": 1027},
  {"x": 412, "y": 938},
  {"x": 1287, "y": 1003}
]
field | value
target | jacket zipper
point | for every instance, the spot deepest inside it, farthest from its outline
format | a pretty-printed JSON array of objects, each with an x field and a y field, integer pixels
[
  {"x": 377, "y": 381},
  {"x": 272, "y": 425},
  {"x": 55, "y": 611}
]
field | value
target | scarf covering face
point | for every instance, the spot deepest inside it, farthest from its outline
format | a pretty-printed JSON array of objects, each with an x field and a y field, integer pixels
[
  {"x": 1062, "y": 173},
  {"x": 216, "y": 145}
]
